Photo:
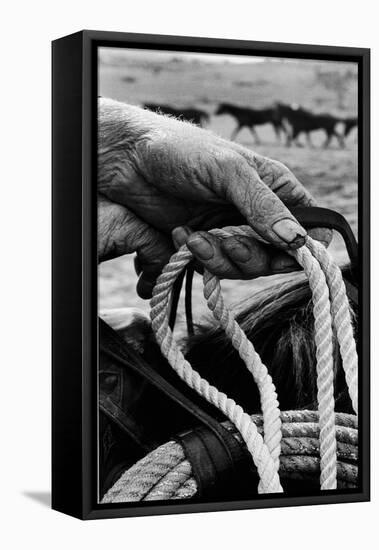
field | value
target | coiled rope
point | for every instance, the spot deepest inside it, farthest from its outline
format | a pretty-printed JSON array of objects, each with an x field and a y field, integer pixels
[
  {"x": 165, "y": 473},
  {"x": 331, "y": 310}
]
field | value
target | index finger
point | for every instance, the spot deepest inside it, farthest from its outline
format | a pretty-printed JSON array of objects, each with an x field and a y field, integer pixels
[
  {"x": 262, "y": 208},
  {"x": 288, "y": 188}
]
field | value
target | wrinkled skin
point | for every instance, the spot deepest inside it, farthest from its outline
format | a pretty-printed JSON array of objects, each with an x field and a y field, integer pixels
[{"x": 163, "y": 182}]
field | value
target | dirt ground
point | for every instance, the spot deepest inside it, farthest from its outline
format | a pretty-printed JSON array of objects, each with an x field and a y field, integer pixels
[{"x": 187, "y": 81}]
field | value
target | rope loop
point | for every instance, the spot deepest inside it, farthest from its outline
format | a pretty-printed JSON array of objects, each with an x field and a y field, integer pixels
[{"x": 331, "y": 310}]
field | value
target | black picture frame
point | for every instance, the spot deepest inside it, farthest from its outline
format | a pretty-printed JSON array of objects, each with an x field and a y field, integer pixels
[{"x": 74, "y": 360}]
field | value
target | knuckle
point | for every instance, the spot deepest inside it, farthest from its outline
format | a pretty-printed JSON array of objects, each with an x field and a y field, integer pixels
[{"x": 266, "y": 203}]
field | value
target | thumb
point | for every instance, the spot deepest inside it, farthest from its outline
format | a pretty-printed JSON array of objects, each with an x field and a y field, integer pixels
[{"x": 121, "y": 232}]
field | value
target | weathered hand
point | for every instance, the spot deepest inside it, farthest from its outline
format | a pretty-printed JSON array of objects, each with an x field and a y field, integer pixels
[{"x": 158, "y": 175}]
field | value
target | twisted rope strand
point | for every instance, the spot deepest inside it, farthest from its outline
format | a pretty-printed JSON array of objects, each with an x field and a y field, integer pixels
[
  {"x": 269, "y": 401},
  {"x": 324, "y": 367},
  {"x": 139, "y": 480},
  {"x": 342, "y": 320},
  {"x": 171, "y": 482}
]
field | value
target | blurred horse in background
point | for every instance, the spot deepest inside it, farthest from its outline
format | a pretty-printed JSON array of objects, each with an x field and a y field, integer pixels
[
  {"x": 297, "y": 120},
  {"x": 350, "y": 123},
  {"x": 247, "y": 117},
  {"x": 190, "y": 114}
]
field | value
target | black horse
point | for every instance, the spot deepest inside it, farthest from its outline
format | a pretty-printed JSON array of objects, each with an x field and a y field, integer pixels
[
  {"x": 249, "y": 118},
  {"x": 297, "y": 120},
  {"x": 190, "y": 114},
  {"x": 350, "y": 123}
]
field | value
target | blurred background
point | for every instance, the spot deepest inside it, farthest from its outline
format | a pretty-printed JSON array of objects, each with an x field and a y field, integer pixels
[{"x": 203, "y": 81}]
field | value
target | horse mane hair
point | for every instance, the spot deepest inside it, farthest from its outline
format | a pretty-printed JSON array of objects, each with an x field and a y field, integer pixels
[{"x": 279, "y": 322}]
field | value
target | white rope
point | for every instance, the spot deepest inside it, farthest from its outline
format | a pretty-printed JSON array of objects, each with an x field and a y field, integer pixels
[
  {"x": 324, "y": 367},
  {"x": 266, "y": 451},
  {"x": 341, "y": 316},
  {"x": 267, "y": 464}
]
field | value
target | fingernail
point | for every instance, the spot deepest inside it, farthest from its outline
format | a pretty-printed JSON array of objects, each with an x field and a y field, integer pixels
[
  {"x": 290, "y": 232},
  {"x": 297, "y": 242},
  {"x": 183, "y": 230},
  {"x": 180, "y": 235},
  {"x": 203, "y": 248}
]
